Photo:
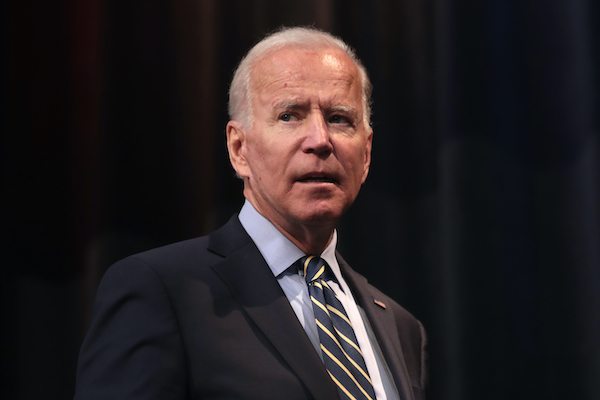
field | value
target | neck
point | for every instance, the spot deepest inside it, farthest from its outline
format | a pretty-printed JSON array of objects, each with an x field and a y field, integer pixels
[
  {"x": 312, "y": 237},
  {"x": 307, "y": 240}
]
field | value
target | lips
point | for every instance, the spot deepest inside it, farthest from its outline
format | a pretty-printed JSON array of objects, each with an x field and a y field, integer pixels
[{"x": 318, "y": 177}]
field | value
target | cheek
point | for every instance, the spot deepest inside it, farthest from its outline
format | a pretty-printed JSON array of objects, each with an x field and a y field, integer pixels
[
  {"x": 274, "y": 156},
  {"x": 355, "y": 158},
  {"x": 256, "y": 155},
  {"x": 355, "y": 168},
  {"x": 266, "y": 166}
]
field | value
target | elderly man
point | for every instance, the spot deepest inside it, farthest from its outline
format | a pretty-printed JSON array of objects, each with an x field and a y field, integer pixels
[{"x": 265, "y": 308}]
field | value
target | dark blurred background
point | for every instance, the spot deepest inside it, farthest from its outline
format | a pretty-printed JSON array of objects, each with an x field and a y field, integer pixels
[{"x": 481, "y": 214}]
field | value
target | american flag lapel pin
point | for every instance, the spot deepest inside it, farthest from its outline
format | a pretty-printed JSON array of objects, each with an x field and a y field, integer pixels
[{"x": 379, "y": 303}]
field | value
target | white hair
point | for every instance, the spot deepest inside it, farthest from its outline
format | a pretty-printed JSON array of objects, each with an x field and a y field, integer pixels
[{"x": 240, "y": 93}]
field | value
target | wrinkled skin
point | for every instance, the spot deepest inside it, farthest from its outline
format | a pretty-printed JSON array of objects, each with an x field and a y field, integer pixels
[{"x": 308, "y": 150}]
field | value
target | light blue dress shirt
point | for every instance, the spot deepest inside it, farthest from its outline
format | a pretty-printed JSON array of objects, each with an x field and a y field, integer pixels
[{"x": 280, "y": 253}]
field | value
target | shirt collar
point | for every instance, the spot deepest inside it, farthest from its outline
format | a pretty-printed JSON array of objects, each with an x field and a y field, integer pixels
[{"x": 278, "y": 251}]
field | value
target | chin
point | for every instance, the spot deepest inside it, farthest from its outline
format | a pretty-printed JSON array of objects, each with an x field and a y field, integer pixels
[{"x": 320, "y": 215}]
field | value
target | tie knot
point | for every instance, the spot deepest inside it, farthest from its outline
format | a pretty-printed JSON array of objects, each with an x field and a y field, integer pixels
[{"x": 314, "y": 268}]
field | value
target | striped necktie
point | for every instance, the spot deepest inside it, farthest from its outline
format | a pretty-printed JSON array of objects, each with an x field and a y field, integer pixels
[{"x": 341, "y": 354}]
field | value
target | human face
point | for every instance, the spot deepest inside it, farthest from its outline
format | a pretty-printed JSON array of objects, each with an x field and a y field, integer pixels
[{"x": 308, "y": 150}]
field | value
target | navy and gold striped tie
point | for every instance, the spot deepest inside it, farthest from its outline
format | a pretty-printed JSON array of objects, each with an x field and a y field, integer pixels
[{"x": 341, "y": 354}]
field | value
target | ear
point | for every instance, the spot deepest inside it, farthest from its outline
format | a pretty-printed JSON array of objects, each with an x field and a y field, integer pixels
[
  {"x": 236, "y": 142},
  {"x": 367, "y": 156}
]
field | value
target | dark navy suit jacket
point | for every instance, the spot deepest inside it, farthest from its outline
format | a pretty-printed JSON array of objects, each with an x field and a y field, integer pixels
[{"x": 206, "y": 319}]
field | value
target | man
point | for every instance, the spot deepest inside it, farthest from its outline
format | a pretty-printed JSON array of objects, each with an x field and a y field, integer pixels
[{"x": 229, "y": 316}]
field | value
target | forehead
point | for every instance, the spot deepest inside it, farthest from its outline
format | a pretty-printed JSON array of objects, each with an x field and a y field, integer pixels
[{"x": 293, "y": 70}]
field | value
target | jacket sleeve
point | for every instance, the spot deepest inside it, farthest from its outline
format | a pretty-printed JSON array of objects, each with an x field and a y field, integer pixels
[
  {"x": 133, "y": 349},
  {"x": 420, "y": 390}
]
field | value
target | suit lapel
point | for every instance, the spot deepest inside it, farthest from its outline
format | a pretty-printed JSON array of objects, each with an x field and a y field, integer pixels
[
  {"x": 253, "y": 285},
  {"x": 384, "y": 326}
]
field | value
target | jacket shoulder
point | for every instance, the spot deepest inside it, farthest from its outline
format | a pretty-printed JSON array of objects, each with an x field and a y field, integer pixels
[{"x": 197, "y": 253}]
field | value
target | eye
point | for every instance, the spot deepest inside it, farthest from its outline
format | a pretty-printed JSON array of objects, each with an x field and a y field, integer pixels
[
  {"x": 339, "y": 119},
  {"x": 286, "y": 117}
]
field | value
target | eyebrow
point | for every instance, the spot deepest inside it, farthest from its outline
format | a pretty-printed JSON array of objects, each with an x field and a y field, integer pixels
[
  {"x": 351, "y": 111},
  {"x": 291, "y": 104},
  {"x": 288, "y": 104},
  {"x": 345, "y": 109}
]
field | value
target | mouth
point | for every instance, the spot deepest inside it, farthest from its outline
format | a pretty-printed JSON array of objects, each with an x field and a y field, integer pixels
[{"x": 318, "y": 178}]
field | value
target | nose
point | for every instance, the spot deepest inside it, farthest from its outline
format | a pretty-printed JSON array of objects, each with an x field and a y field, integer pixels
[{"x": 317, "y": 139}]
